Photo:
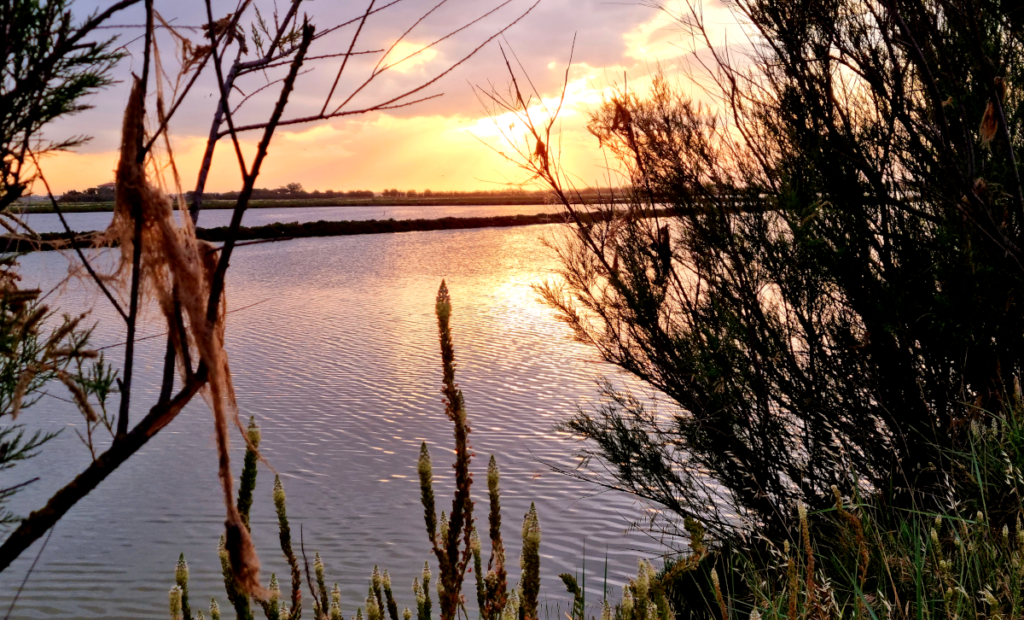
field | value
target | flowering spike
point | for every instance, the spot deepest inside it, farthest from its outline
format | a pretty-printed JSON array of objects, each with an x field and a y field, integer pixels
[
  {"x": 318, "y": 566},
  {"x": 530, "y": 564},
  {"x": 181, "y": 571},
  {"x": 175, "y": 602},
  {"x": 275, "y": 588},
  {"x": 444, "y": 529},
  {"x": 426, "y": 474}
]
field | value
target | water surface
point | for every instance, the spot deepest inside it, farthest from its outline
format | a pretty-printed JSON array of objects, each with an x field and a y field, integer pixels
[{"x": 334, "y": 349}]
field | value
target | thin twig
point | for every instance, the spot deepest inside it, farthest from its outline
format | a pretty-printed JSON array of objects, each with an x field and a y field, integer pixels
[
  {"x": 344, "y": 63},
  {"x": 28, "y": 574},
  {"x": 437, "y": 41},
  {"x": 224, "y": 89},
  {"x": 217, "y": 283},
  {"x": 134, "y": 300},
  {"x": 74, "y": 243},
  {"x": 309, "y": 119}
]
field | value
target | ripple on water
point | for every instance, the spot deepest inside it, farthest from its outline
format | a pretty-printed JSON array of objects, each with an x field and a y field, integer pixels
[{"x": 335, "y": 352}]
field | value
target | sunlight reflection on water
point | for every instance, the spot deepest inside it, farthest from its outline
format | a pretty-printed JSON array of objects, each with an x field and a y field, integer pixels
[{"x": 338, "y": 360}]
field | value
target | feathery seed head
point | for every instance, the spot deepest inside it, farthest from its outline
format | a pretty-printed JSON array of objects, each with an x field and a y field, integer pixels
[
  {"x": 509, "y": 613},
  {"x": 531, "y": 526},
  {"x": 336, "y": 611},
  {"x": 274, "y": 588},
  {"x": 200, "y": 615},
  {"x": 386, "y": 580},
  {"x": 214, "y": 609},
  {"x": 1006, "y": 534},
  {"x": 406, "y": 614},
  {"x": 938, "y": 521},
  {"x": 444, "y": 302},
  {"x": 606, "y": 610},
  {"x": 372, "y": 609},
  {"x": 935, "y": 537},
  {"x": 627, "y": 602},
  {"x": 643, "y": 580},
  {"x": 755, "y": 615},
  {"x": 418, "y": 592},
  {"x": 175, "y": 602},
  {"x": 181, "y": 571},
  {"x": 511, "y": 610},
  {"x": 318, "y": 566},
  {"x": 375, "y": 578},
  {"x": 359, "y": 613},
  {"x": 474, "y": 541},
  {"x": 279, "y": 496},
  {"x": 980, "y": 518},
  {"x": 493, "y": 476},
  {"x": 444, "y": 526},
  {"x": 423, "y": 466},
  {"x": 426, "y": 573},
  {"x": 253, "y": 432}
]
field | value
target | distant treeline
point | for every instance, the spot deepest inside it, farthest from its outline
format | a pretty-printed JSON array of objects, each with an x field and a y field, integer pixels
[{"x": 295, "y": 192}]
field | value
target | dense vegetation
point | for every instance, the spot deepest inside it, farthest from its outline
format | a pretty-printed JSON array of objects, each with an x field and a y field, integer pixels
[{"x": 849, "y": 323}]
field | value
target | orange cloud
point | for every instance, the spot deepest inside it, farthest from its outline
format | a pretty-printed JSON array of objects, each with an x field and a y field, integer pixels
[{"x": 436, "y": 152}]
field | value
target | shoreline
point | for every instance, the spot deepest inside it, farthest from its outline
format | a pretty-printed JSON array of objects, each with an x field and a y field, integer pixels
[{"x": 294, "y": 230}]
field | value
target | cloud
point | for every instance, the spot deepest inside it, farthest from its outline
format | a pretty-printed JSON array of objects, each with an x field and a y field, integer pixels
[
  {"x": 444, "y": 143},
  {"x": 407, "y": 57}
]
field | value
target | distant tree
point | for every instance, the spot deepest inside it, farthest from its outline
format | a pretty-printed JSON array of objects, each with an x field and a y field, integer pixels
[
  {"x": 49, "y": 67},
  {"x": 411, "y": 193},
  {"x": 294, "y": 188},
  {"x": 427, "y": 193}
]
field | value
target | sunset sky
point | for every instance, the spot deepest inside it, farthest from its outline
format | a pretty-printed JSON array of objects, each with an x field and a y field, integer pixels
[{"x": 448, "y": 143}]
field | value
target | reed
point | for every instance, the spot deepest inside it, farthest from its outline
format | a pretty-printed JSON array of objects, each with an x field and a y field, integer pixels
[{"x": 454, "y": 538}]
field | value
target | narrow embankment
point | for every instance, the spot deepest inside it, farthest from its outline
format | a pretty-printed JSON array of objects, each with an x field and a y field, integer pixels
[
  {"x": 295, "y": 230},
  {"x": 285, "y": 203}
]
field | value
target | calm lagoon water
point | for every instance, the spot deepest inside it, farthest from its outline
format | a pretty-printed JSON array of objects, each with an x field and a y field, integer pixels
[{"x": 333, "y": 347}]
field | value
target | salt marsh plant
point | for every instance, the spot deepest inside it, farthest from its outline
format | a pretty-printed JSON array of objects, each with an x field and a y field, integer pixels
[{"x": 455, "y": 541}]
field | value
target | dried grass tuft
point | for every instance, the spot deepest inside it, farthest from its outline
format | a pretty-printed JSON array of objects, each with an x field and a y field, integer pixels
[{"x": 176, "y": 270}]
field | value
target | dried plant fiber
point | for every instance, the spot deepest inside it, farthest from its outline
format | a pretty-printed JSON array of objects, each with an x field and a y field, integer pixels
[{"x": 176, "y": 270}]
